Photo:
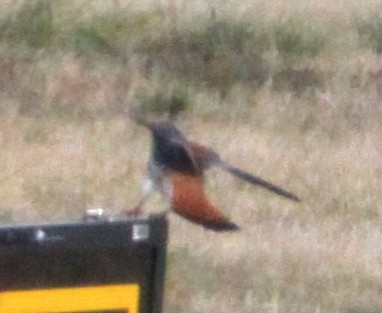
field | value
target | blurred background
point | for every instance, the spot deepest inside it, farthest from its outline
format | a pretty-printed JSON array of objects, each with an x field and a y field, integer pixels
[{"x": 288, "y": 90}]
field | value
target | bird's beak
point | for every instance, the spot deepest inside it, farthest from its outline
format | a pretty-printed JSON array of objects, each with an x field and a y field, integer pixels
[
  {"x": 140, "y": 121},
  {"x": 144, "y": 123}
]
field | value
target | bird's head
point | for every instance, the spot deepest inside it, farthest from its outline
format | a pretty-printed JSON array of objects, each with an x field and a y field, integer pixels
[{"x": 164, "y": 131}]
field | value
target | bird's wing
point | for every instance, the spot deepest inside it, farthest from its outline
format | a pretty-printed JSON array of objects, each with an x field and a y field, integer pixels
[
  {"x": 185, "y": 158},
  {"x": 204, "y": 156},
  {"x": 255, "y": 180},
  {"x": 189, "y": 200}
]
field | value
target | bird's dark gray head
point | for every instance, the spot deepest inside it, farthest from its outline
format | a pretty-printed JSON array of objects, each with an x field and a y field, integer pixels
[{"x": 165, "y": 131}]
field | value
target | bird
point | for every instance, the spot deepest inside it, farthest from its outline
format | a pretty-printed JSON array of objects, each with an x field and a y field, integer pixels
[{"x": 176, "y": 169}]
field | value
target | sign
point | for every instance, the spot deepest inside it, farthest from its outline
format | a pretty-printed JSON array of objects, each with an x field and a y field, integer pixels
[{"x": 109, "y": 267}]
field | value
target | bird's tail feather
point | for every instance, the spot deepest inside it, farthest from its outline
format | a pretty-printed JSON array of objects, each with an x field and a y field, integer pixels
[{"x": 255, "y": 180}]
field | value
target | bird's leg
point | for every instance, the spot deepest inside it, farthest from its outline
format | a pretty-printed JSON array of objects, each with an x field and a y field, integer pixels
[{"x": 137, "y": 210}]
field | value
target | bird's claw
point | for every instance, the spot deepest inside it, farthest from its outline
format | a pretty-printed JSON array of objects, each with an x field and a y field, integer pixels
[
  {"x": 134, "y": 212},
  {"x": 160, "y": 214}
]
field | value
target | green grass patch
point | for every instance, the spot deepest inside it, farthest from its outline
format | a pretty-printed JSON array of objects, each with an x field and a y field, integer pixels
[
  {"x": 39, "y": 25},
  {"x": 370, "y": 32},
  {"x": 32, "y": 24},
  {"x": 298, "y": 80},
  {"x": 115, "y": 34},
  {"x": 217, "y": 55},
  {"x": 87, "y": 40},
  {"x": 221, "y": 53},
  {"x": 298, "y": 39},
  {"x": 165, "y": 102}
]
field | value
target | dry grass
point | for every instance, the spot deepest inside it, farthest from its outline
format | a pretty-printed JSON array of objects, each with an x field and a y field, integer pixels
[{"x": 261, "y": 92}]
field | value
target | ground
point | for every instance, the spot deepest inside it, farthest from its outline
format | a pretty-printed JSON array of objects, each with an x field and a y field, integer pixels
[{"x": 289, "y": 90}]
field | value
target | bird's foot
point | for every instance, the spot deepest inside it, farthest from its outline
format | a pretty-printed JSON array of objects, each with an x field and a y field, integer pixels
[
  {"x": 134, "y": 212},
  {"x": 160, "y": 214}
]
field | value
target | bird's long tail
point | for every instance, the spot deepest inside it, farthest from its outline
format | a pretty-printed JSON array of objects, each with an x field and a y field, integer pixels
[{"x": 256, "y": 180}]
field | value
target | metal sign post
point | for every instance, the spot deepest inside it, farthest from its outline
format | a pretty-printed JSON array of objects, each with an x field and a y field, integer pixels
[{"x": 100, "y": 266}]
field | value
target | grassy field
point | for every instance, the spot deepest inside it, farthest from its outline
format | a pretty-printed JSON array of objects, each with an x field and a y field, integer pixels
[{"x": 289, "y": 90}]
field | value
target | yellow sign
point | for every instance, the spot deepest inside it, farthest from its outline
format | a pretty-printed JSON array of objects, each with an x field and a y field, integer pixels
[{"x": 79, "y": 299}]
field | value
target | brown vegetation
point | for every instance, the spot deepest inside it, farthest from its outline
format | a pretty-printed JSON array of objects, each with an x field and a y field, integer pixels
[{"x": 288, "y": 90}]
